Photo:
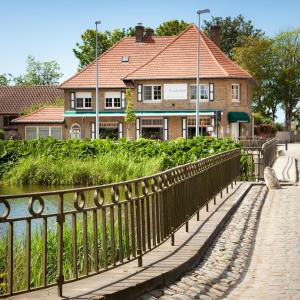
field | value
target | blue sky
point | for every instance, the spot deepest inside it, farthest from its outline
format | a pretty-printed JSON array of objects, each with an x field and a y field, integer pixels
[{"x": 49, "y": 29}]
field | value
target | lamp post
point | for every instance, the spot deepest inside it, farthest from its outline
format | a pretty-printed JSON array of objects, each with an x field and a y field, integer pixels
[
  {"x": 97, "y": 84},
  {"x": 199, "y": 12}
]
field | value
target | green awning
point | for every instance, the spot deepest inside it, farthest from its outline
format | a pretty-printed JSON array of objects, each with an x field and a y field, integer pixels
[{"x": 238, "y": 116}]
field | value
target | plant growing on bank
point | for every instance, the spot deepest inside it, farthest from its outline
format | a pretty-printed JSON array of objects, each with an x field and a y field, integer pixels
[{"x": 49, "y": 161}]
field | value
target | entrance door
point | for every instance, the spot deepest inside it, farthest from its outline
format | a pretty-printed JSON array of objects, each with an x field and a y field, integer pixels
[{"x": 235, "y": 132}]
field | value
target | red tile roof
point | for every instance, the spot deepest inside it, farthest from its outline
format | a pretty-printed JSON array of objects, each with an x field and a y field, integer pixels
[
  {"x": 158, "y": 58},
  {"x": 51, "y": 114},
  {"x": 111, "y": 69},
  {"x": 13, "y": 99},
  {"x": 179, "y": 60}
]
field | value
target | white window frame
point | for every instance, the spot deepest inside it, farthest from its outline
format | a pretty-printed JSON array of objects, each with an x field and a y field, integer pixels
[
  {"x": 113, "y": 100},
  {"x": 238, "y": 94},
  {"x": 75, "y": 124},
  {"x": 152, "y": 93},
  {"x": 37, "y": 130},
  {"x": 84, "y": 100},
  {"x": 200, "y": 85}
]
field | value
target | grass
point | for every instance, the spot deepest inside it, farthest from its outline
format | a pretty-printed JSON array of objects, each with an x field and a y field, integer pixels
[
  {"x": 100, "y": 170},
  {"x": 37, "y": 250}
]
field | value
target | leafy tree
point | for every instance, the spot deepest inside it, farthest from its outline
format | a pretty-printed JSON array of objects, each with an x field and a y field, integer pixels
[
  {"x": 86, "y": 50},
  {"x": 39, "y": 73},
  {"x": 257, "y": 57},
  {"x": 5, "y": 79},
  {"x": 234, "y": 31},
  {"x": 172, "y": 27},
  {"x": 287, "y": 72}
]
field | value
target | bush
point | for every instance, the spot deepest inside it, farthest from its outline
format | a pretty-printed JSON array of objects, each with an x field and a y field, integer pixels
[
  {"x": 81, "y": 162},
  {"x": 2, "y": 134}
]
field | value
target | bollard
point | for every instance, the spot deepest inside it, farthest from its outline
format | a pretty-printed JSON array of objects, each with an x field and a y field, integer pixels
[{"x": 286, "y": 145}]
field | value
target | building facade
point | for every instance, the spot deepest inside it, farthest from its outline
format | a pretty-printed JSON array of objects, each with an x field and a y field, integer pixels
[
  {"x": 161, "y": 74},
  {"x": 14, "y": 99}
]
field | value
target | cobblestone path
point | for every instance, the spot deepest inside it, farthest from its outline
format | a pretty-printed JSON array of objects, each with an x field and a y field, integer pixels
[
  {"x": 225, "y": 262},
  {"x": 274, "y": 272}
]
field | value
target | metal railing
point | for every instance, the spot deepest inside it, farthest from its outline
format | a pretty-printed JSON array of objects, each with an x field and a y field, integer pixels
[
  {"x": 125, "y": 221},
  {"x": 256, "y": 155}
]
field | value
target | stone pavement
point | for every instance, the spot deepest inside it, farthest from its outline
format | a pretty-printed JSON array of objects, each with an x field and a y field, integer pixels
[
  {"x": 245, "y": 264},
  {"x": 274, "y": 272},
  {"x": 224, "y": 263}
]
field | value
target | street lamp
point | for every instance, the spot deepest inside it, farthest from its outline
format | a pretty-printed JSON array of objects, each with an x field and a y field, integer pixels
[
  {"x": 97, "y": 83},
  {"x": 199, "y": 12}
]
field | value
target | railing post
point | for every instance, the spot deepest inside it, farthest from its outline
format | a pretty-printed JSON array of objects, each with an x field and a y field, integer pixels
[
  {"x": 60, "y": 225},
  {"x": 138, "y": 226},
  {"x": 187, "y": 224},
  {"x": 172, "y": 236}
]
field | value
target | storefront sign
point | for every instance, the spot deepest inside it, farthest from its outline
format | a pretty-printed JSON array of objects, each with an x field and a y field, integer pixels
[{"x": 175, "y": 91}]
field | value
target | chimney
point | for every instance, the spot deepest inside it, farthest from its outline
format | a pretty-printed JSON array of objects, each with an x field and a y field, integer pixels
[
  {"x": 216, "y": 34},
  {"x": 139, "y": 33},
  {"x": 149, "y": 33}
]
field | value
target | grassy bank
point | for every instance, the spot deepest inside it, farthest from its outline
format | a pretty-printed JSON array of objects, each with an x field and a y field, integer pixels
[
  {"x": 36, "y": 259},
  {"x": 84, "y": 162}
]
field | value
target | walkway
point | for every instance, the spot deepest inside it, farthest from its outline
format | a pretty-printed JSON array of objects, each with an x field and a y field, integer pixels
[
  {"x": 256, "y": 256},
  {"x": 274, "y": 272}
]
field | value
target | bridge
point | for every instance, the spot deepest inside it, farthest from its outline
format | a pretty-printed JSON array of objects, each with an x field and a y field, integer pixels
[{"x": 157, "y": 229}]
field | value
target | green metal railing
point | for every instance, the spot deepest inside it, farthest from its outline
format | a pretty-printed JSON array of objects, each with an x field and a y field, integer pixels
[{"x": 127, "y": 219}]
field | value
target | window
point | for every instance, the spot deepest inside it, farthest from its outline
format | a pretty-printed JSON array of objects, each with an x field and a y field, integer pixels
[
  {"x": 83, "y": 100},
  {"x": 204, "y": 92},
  {"x": 75, "y": 132},
  {"x": 112, "y": 100},
  {"x": 152, "y": 129},
  {"x": 34, "y": 132},
  {"x": 152, "y": 93},
  {"x": 7, "y": 120},
  {"x": 235, "y": 92}
]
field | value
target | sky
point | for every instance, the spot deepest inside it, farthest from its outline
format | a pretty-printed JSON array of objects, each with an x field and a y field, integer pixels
[{"x": 49, "y": 29}]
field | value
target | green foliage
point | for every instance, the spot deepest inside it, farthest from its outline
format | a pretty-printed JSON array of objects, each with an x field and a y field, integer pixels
[
  {"x": 130, "y": 114},
  {"x": 36, "y": 106},
  {"x": 5, "y": 79},
  {"x": 49, "y": 161},
  {"x": 39, "y": 73},
  {"x": 2, "y": 134},
  {"x": 37, "y": 247},
  {"x": 275, "y": 65},
  {"x": 172, "y": 27},
  {"x": 86, "y": 50},
  {"x": 234, "y": 31},
  {"x": 256, "y": 56}
]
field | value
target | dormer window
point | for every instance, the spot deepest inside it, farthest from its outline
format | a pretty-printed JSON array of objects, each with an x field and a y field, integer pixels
[{"x": 125, "y": 59}]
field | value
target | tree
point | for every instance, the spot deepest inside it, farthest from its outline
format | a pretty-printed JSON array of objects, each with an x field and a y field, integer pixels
[
  {"x": 5, "y": 79},
  {"x": 275, "y": 64},
  {"x": 287, "y": 72},
  {"x": 234, "y": 31},
  {"x": 39, "y": 73},
  {"x": 172, "y": 27},
  {"x": 256, "y": 56},
  {"x": 86, "y": 50}
]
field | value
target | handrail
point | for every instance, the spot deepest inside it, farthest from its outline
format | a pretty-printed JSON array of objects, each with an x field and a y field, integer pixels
[{"x": 125, "y": 221}]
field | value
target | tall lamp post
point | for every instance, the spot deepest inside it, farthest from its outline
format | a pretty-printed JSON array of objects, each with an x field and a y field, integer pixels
[
  {"x": 97, "y": 83},
  {"x": 199, "y": 12}
]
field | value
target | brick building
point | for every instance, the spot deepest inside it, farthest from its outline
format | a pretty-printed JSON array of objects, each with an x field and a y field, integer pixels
[
  {"x": 14, "y": 99},
  {"x": 161, "y": 72}
]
